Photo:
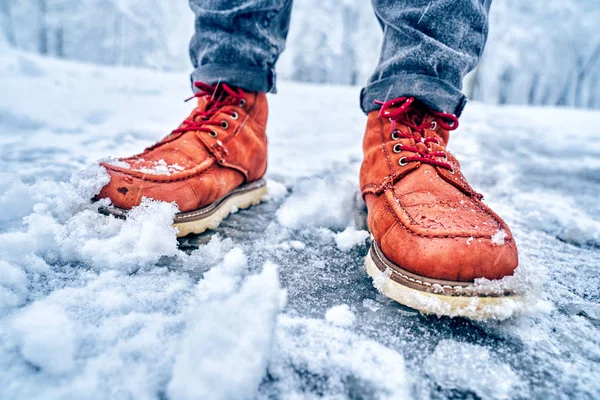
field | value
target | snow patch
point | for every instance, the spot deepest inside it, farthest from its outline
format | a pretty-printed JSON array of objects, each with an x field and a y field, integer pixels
[
  {"x": 350, "y": 237},
  {"x": 275, "y": 190},
  {"x": 292, "y": 244},
  {"x": 16, "y": 198},
  {"x": 160, "y": 167},
  {"x": 46, "y": 338},
  {"x": 106, "y": 242},
  {"x": 340, "y": 315},
  {"x": 382, "y": 279},
  {"x": 498, "y": 237},
  {"x": 115, "y": 162},
  {"x": 228, "y": 342}
]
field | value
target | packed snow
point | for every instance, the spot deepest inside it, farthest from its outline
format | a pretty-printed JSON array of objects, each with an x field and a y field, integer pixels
[{"x": 275, "y": 303}]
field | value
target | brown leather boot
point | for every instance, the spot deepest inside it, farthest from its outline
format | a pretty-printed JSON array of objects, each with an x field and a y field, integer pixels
[
  {"x": 211, "y": 165},
  {"x": 433, "y": 236}
]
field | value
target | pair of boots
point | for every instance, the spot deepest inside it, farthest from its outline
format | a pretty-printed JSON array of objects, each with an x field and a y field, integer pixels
[{"x": 432, "y": 234}]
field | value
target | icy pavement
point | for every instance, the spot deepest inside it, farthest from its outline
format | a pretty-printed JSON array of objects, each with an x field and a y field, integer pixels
[{"x": 275, "y": 303}]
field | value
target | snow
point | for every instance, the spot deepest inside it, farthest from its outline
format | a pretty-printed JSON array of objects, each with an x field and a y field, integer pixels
[
  {"x": 159, "y": 167},
  {"x": 319, "y": 202},
  {"x": 350, "y": 237},
  {"x": 227, "y": 343},
  {"x": 93, "y": 305},
  {"x": 45, "y": 337},
  {"x": 340, "y": 315},
  {"x": 498, "y": 237}
]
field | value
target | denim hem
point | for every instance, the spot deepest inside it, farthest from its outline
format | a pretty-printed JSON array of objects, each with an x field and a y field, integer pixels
[
  {"x": 253, "y": 79},
  {"x": 433, "y": 92}
]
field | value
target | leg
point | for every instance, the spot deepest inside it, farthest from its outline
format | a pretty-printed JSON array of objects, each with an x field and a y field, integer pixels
[
  {"x": 433, "y": 237},
  {"x": 428, "y": 47},
  {"x": 213, "y": 163},
  {"x": 239, "y": 42}
]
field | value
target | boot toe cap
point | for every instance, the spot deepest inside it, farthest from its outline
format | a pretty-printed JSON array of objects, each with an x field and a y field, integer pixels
[{"x": 441, "y": 255}]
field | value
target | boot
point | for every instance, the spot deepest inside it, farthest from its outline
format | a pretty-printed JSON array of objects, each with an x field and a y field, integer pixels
[
  {"x": 432, "y": 234},
  {"x": 211, "y": 165}
]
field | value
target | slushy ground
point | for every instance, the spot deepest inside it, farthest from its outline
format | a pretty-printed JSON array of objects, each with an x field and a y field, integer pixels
[{"x": 275, "y": 303}]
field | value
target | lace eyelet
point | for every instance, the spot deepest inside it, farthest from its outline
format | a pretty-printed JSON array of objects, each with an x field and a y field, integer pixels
[
  {"x": 445, "y": 156},
  {"x": 397, "y": 148},
  {"x": 213, "y": 134},
  {"x": 402, "y": 162},
  {"x": 433, "y": 126},
  {"x": 395, "y": 135},
  {"x": 224, "y": 124},
  {"x": 242, "y": 102},
  {"x": 452, "y": 171},
  {"x": 234, "y": 115}
]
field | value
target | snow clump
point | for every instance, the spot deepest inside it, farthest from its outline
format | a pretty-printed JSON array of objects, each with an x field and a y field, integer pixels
[
  {"x": 349, "y": 238},
  {"x": 340, "y": 315}
]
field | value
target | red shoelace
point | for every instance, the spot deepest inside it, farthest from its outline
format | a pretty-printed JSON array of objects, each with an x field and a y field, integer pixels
[
  {"x": 402, "y": 111},
  {"x": 220, "y": 95}
]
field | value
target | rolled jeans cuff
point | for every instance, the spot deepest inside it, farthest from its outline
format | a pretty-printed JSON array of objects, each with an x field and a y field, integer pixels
[
  {"x": 433, "y": 92},
  {"x": 253, "y": 79}
]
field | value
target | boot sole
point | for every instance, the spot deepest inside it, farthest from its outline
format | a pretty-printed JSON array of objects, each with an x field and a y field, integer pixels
[
  {"x": 209, "y": 217},
  {"x": 439, "y": 297}
]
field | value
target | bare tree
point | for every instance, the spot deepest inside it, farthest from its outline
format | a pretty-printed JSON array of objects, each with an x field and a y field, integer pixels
[
  {"x": 585, "y": 67},
  {"x": 7, "y": 22},
  {"x": 43, "y": 28}
]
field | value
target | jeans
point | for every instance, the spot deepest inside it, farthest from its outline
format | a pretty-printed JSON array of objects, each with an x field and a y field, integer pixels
[{"x": 428, "y": 47}]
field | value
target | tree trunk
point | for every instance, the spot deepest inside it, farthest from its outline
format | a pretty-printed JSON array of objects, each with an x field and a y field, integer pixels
[{"x": 43, "y": 30}]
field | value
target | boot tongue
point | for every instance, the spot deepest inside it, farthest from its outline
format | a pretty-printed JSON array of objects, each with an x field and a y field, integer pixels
[
  {"x": 208, "y": 103},
  {"x": 419, "y": 115}
]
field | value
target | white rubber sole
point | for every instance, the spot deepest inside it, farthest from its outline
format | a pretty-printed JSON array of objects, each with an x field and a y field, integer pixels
[
  {"x": 472, "y": 307},
  {"x": 228, "y": 206}
]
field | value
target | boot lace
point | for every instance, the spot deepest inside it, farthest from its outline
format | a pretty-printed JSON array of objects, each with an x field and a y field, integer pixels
[
  {"x": 411, "y": 115},
  {"x": 220, "y": 95}
]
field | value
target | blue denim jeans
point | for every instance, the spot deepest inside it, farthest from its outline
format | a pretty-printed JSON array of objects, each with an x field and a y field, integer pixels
[{"x": 428, "y": 47}]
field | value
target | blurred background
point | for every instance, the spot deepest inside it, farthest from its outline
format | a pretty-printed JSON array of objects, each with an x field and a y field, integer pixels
[{"x": 540, "y": 52}]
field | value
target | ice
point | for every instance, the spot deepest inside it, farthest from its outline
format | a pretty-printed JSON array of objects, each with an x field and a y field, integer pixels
[
  {"x": 337, "y": 362},
  {"x": 340, "y": 315},
  {"x": 350, "y": 237},
  {"x": 464, "y": 366},
  {"x": 128, "y": 311}
]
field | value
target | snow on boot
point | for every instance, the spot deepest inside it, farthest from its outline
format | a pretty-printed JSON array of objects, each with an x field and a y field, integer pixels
[
  {"x": 433, "y": 236},
  {"x": 210, "y": 166}
]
